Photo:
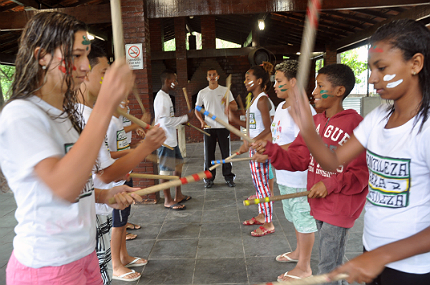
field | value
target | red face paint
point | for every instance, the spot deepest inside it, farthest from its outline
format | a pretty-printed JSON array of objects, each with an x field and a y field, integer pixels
[
  {"x": 63, "y": 68},
  {"x": 375, "y": 49}
]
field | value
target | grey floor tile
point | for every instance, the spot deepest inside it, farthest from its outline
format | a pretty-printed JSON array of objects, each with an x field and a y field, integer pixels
[
  {"x": 5, "y": 252},
  {"x": 217, "y": 230},
  {"x": 223, "y": 270},
  {"x": 219, "y": 204},
  {"x": 174, "y": 249},
  {"x": 177, "y": 231},
  {"x": 149, "y": 217},
  {"x": 266, "y": 246},
  {"x": 8, "y": 220},
  {"x": 187, "y": 216},
  {"x": 178, "y": 271},
  {"x": 231, "y": 247},
  {"x": 220, "y": 194},
  {"x": 266, "y": 269},
  {"x": 140, "y": 248},
  {"x": 3, "y": 275},
  {"x": 216, "y": 216},
  {"x": 355, "y": 242}
]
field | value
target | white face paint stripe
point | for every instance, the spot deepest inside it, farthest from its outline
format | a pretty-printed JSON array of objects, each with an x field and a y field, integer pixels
[
  {"x": 172, "y": 85},
  {"x": 274, "y": 85},
  {"x": 394, "y": 84},
  {"x": 389, "y": 77}
]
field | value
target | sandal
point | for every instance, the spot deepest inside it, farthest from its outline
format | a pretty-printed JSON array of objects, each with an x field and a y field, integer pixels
[
  {"x": 264, "y": 232},
  {"x": 131, "y": 226},
  {"x": 185, "y": 199},
  {"x": 129, "y": 236},
  {"x": 252, "y": 222},
  {"x": 252, "y": 197},
  {"x": 122, "y": 277},
  {"x": 289, "y": 276},
  {"x": 285, "y": 255},
  {"x": 134, "y": 264}
]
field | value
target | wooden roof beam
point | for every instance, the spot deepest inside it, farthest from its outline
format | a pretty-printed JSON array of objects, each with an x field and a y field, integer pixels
[
  {"x": 90, "y": 14},
  {"x": 416, "y": 13},
  {"x": 174, "y": 8}
]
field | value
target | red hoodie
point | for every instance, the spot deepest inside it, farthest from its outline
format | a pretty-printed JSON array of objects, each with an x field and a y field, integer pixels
[{"x": 346, "y": 188}]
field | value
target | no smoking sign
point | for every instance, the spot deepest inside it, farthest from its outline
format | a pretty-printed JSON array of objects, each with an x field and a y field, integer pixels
[{"x": 134, "y": 55}]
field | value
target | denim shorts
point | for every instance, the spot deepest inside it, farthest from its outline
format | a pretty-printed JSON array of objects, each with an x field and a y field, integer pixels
[
  {"x": 297, "y": 210},
  {"x": 120, "y": 217},
  {"x": 165, "y": 154}
]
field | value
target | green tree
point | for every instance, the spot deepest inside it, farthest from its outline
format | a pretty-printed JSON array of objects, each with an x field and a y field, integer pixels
[
  {"x": 6, "y": 74},
  {"x": 350, "y": 58}
]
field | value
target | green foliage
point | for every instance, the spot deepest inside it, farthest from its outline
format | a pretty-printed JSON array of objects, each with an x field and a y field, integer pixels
[
  {"x": 6, "y": 74},
  {"x": 350, "y": 58}
]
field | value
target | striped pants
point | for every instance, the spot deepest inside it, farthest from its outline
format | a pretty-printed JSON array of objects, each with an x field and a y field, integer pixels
[{"x": 260, "y": 177}]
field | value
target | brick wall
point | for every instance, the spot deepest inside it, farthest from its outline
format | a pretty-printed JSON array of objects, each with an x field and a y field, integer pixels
[
  {"x": 136, "y": 30},
  {"x": 208, "y": 32}
]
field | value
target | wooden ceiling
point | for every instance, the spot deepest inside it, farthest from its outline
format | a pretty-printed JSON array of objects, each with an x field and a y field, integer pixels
[{"x": 343, "y": 23}]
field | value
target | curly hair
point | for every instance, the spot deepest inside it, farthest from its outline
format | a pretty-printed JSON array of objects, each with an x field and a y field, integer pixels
[
  {"x": 47, "y": 31},
  {"x": 289, "y": 68},
  {"x": 263, "y": 71}
]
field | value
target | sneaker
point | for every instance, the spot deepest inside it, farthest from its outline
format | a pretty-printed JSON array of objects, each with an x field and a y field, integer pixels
[
  {"x": 230, "y": 183},
  {"x": 209, "y": 184}
]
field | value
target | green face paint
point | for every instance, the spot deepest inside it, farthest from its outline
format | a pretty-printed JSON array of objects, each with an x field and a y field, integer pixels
[
  {"x": 86, "y": 41},
  {"x": 282, "y": 90},
  {"x": 325, "y": 96},
  {"x": 323, "y": 91}
]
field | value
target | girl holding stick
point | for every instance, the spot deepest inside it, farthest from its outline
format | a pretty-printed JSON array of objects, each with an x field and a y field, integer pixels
[
  {"x": 47, "y": 157},
  {"x": 257, "y": 80},
  {"x": 395, "y": 137}
]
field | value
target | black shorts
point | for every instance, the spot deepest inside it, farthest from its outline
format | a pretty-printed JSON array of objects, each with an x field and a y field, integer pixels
[{"x": 120, "y": 217}]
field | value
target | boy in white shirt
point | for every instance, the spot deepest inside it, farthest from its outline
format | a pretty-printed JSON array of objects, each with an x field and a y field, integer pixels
[{"x": 165, "y": 116}]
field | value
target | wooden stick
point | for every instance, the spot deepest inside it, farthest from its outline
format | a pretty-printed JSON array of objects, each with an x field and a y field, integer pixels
[
  {"x": 186, "y": 99},
  {"x": 169, "y": 162},
  {"x": 239, "y": 100},
  {"x": 248, "y": 104},
  {"x": 230, "y": 157},
  {"x": 117, "y": 31},
  {"x": 222, "y": 161},
  {"x": 136, "y": 94},
  {"x": 312, "y": 280},
  {"x": 228, "y": 126},
  {"x": 153, "y": 176},
  {"x": 275, "y": 198},
  {"x": 138, "y": 122},
  {"x": 308, "y": 41},
  {"x": 200, "y": 130},
  {"x": 173, "y": 183}
]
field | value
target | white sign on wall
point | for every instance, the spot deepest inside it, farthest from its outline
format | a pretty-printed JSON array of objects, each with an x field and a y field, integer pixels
[{"x": 133, "y": 54}]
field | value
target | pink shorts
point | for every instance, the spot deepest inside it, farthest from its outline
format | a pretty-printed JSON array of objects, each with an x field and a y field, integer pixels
[{"x": 83, "y": 271}]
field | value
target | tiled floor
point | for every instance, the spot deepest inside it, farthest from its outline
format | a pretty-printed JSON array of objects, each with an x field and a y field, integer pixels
[{"x": 206, "y": 243}]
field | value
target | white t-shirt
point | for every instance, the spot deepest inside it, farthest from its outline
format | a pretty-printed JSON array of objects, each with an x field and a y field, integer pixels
[
  {"x": 212, "y": 100},
  {"x": 104, "y": 160},
  {"x": 50, "y": 230},
  {"x": 284, "y": 131},
  {"x": 398, "y": 203},
  {"x": 165, "y": 116},
  {"x": 256, "y": 125}
]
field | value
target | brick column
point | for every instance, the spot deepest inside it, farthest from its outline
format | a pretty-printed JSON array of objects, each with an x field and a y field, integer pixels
[
  {"x": 330, "y": 56},
  {"x": 181, "y": 65},
  {"x": 156, "y": 34},
  {"x": 136, "y": 30},
  {"x": 208, "y": 32}
]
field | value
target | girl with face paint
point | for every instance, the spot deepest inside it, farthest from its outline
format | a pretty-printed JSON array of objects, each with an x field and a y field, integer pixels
[
  {"x": 257, "y": 80},
  {"x": 395, "y": 137},
  {"x": 47, "y": 158}
]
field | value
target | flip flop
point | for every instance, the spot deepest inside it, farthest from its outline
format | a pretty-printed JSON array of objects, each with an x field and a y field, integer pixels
[
  {"x": 186, "y": 198},
  {"x": 254, "y": 222},
  {"x": 263, "y": 233},
  {"x": 134, "y": 264},
  {"x": 122, "y": 277},
  {"x": 129, "y": 236},
  {"x": 131, "y": 226},
  {"x": 172, "y": 207},
  {"x": 288, "y": 275},
  {"x": 285, "y": 255}
]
